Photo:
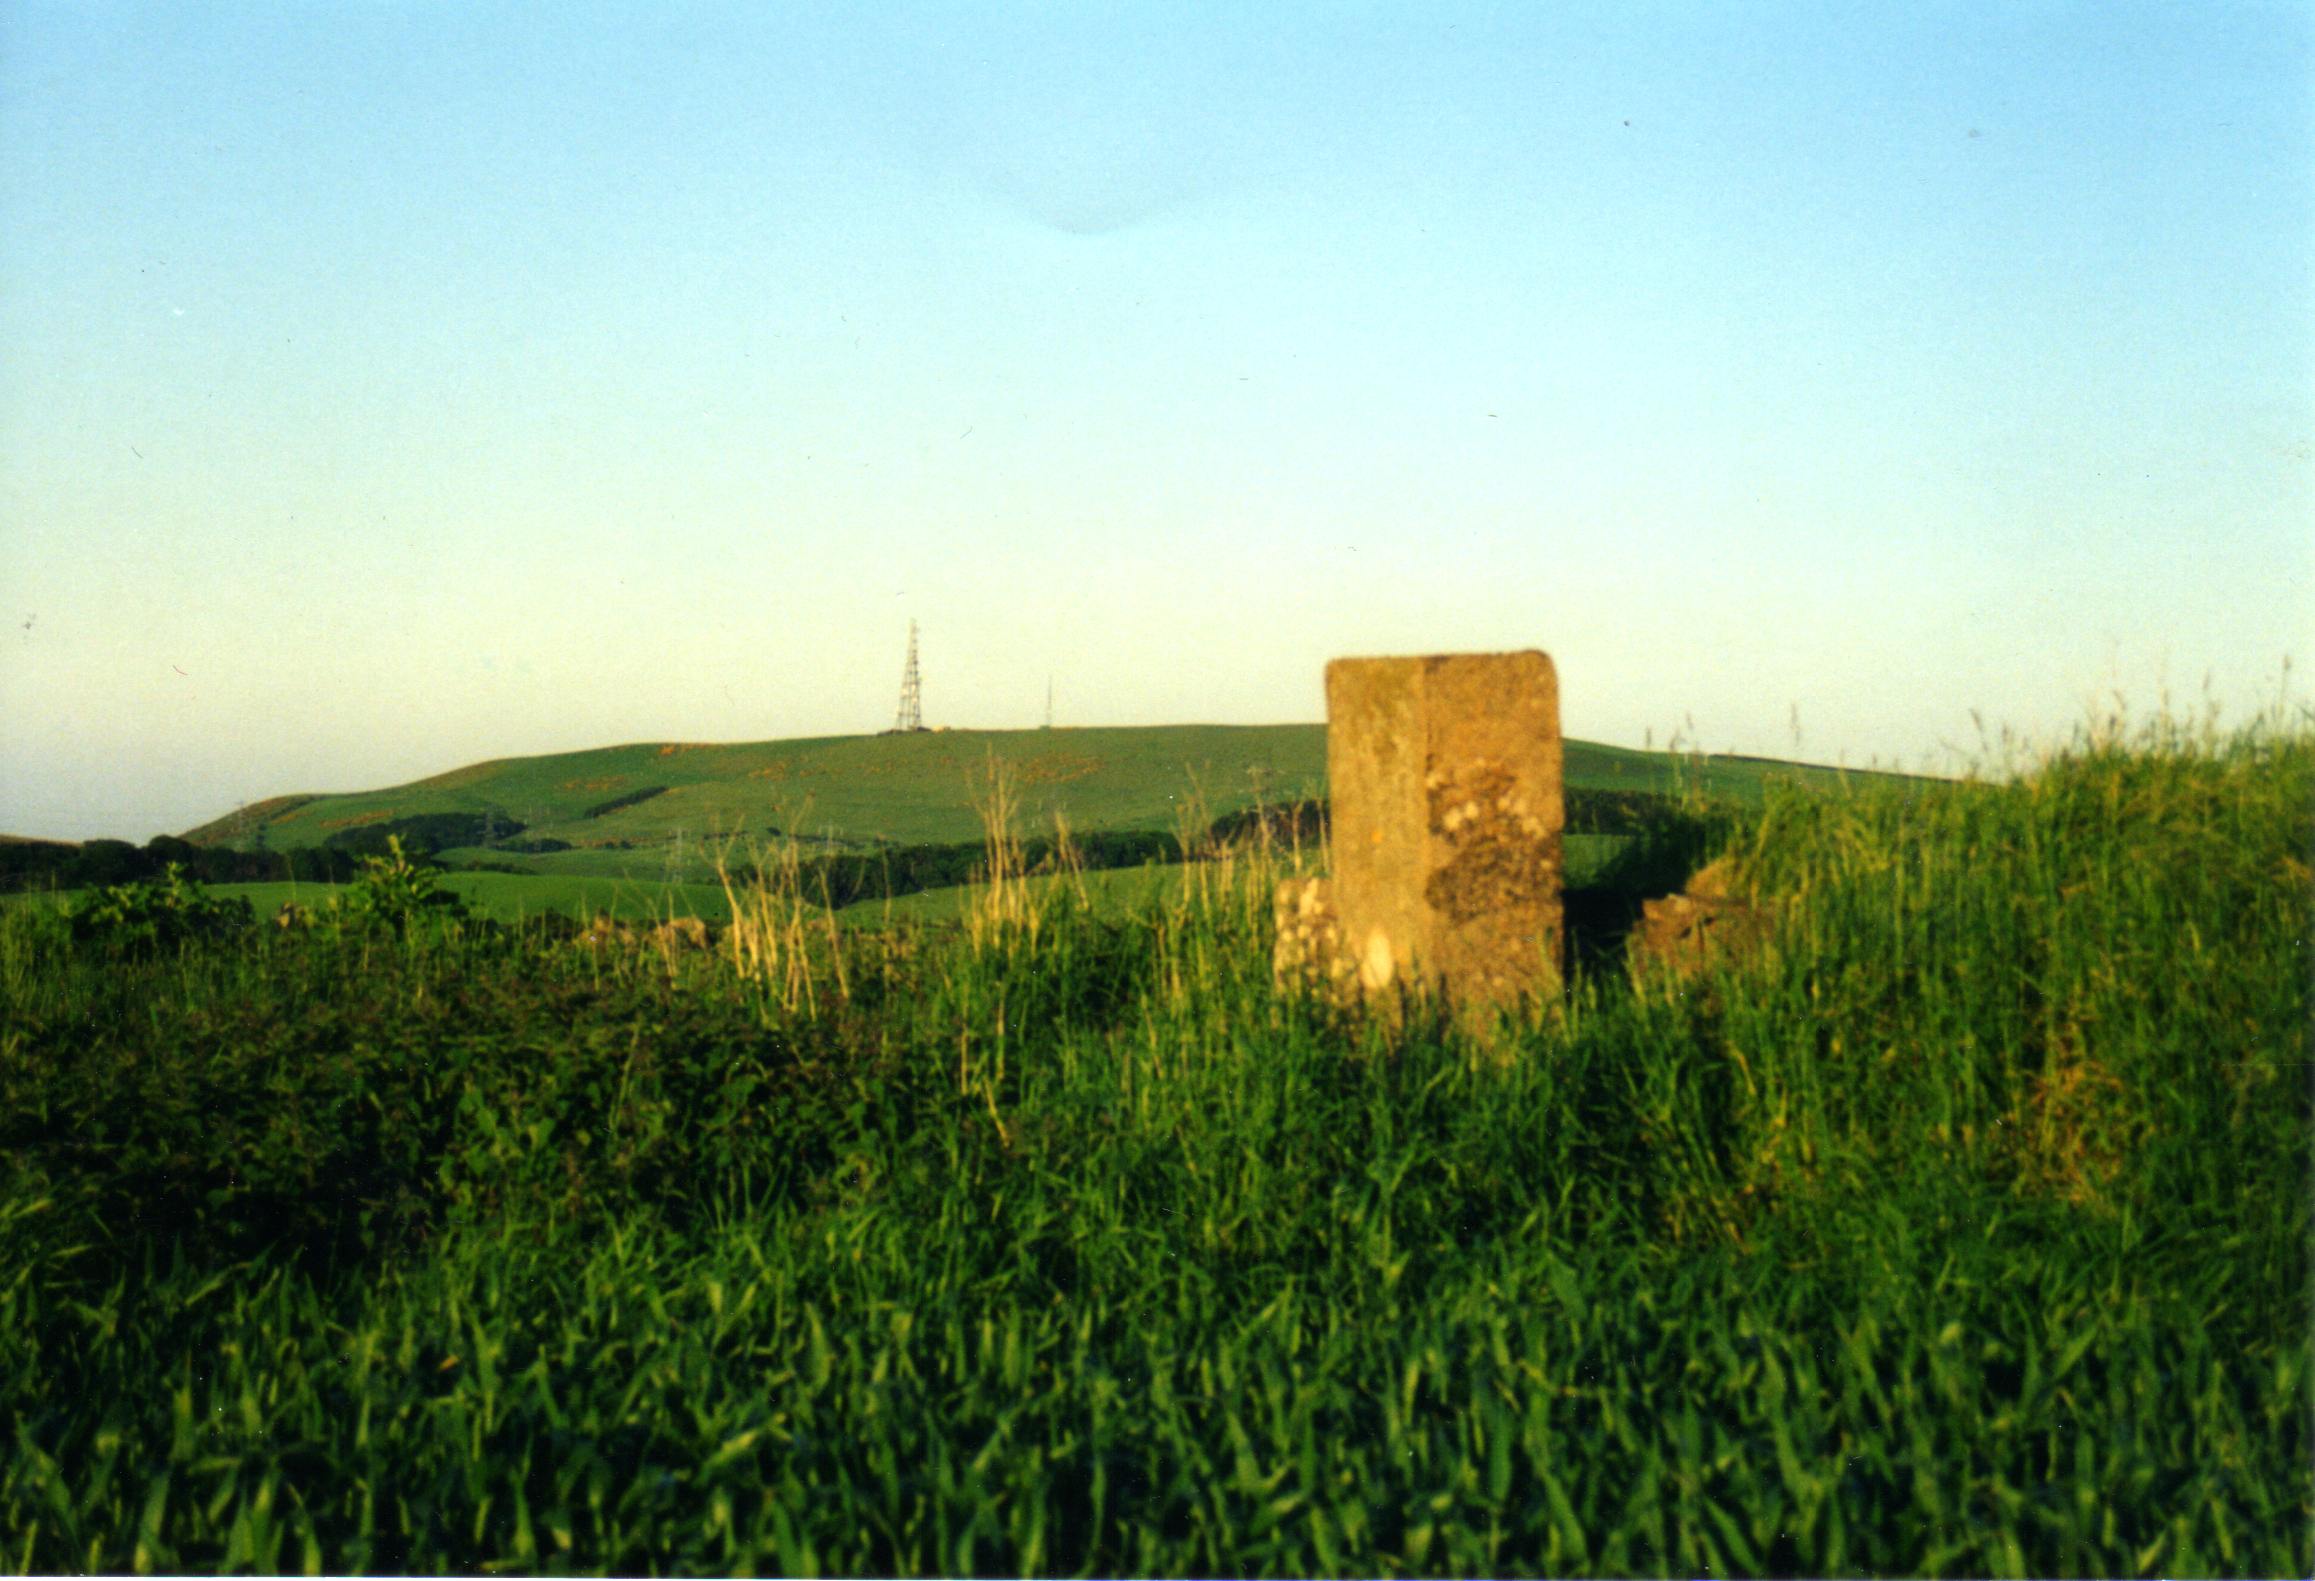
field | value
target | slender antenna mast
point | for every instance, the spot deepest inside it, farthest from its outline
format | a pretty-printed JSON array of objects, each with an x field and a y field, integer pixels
[{"x": 911, "y": 691}]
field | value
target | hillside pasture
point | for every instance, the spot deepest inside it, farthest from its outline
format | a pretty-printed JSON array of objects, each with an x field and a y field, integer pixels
[{"x": 911, "y": 789}]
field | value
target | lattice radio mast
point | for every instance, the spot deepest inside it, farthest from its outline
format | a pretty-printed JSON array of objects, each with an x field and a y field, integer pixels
[{"x": 911, "y": 692}]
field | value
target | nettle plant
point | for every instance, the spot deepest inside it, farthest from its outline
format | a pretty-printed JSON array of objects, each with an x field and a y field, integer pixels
[
  {"x": 153, "y": 915},
  {"x": 401, "y": 894}
]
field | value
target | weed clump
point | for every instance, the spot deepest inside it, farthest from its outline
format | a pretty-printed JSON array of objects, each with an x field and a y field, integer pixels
[{"x": 402, "y": 896}]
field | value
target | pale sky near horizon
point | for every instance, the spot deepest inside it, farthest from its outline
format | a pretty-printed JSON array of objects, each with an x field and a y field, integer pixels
[{"x": 386, "y": 386}]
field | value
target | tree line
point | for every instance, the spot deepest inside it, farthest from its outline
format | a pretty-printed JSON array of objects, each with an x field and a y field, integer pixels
[{"x": 42, "y": 864}]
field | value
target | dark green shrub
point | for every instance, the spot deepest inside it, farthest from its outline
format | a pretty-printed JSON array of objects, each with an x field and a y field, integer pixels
[
  {"x": 394, "y": 892},
  {"x": 150, "y": 916}
]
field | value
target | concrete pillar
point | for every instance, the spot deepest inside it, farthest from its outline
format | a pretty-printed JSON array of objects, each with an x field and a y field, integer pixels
[{"x": 1444, "y": 778}]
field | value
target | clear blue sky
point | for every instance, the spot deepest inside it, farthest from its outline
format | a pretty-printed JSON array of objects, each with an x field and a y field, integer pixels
[{"x": 387, "y": 386}]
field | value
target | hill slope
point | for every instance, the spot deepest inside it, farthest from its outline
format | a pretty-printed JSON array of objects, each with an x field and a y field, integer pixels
[{"x": 612, "y": 802}]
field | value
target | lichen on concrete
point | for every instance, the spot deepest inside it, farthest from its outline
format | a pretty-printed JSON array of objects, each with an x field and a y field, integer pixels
[{"x": 1444, "y": 775}]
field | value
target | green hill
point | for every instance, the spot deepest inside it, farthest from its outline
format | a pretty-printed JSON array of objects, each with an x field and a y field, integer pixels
[{"x": 664, "y": 807}]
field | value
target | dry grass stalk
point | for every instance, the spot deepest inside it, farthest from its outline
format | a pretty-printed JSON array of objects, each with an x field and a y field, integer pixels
[
  {"x": 1003, "y": 904},
  {"x": 1068, "y": 861},
  {"x": 769, "y": 937}
]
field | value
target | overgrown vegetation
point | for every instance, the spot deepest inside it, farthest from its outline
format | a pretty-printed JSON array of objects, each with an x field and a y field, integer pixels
[{"x": 1964, "y": 1230}]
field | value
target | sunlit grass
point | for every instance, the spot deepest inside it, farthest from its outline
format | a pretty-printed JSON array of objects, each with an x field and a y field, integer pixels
[{"x": 1964, "y": 1230}]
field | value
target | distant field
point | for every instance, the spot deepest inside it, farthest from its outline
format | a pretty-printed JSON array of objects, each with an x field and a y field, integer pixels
[
  {"x": 510, "y": 897},
  {"x": 1116, "y": 892},
  {"x": 506, "y": 897},
  {"x": 1121, "y": 891}
]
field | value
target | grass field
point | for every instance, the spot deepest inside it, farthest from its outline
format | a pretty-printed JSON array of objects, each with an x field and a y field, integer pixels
[{"x": 1964, "y": 1231}]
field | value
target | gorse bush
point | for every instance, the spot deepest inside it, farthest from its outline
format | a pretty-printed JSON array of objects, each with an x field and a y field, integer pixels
[{"x": 1962, "y": 1230}]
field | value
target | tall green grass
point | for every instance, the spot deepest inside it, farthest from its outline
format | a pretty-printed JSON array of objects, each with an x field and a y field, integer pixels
[{"x": 1963, "y": 1230}]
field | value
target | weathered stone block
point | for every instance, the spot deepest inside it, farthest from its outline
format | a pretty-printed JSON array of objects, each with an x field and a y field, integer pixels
[{"x": 1444, "y": 774}]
